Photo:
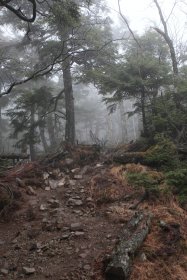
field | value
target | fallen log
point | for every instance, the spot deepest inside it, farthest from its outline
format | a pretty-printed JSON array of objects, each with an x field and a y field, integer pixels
[
  {"x": 131, "y": 238},
  {"x": 14, "y": 156},
  {"x": 132, "y": 157}
]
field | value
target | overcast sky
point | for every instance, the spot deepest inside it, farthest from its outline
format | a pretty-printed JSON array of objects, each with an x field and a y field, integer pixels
[{"x": 142, "y": 13}]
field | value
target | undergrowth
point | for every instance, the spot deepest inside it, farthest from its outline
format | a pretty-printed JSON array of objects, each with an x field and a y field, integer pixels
[
  {"x": 163, "y": 155},
  {"x": 172, "y": 177}
]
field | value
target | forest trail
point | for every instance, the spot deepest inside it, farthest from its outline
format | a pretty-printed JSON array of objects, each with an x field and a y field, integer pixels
[{"x": 69, "y": 216}]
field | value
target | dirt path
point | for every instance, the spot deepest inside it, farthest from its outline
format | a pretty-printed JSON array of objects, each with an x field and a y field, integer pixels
[{"x": 67, "y": 228}]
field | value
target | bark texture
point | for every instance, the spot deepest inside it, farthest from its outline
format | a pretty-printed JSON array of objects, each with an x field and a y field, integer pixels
[
  {"x": 131, "y": 238},
  {"x": 69, "y": 100}
]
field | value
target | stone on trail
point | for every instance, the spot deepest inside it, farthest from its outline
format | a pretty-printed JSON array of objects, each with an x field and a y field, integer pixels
[
  {"x": 54, "y": 203},
  {"x": 43, "y": 207},
  {"x": 61, "y": 182},
  {"x": 30, "y": 191},
  {"x": 28, "y": 270},
  {"x": 4, "y": 271},
  {"x": 45, "y": 175},
  {"x": 79, "y": 233},
  {"x": 78, "y": 177},
  {"x": 76, "y": 226},
  {"x": 53, "y": 184},
  {"x": 75, "y": 202}
]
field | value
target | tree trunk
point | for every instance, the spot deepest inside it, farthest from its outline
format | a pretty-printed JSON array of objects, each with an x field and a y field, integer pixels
[
  {"x": 123, "y": 120},
  {"x": 43, "y": 139},
  {"x": 32, "y": 135},
  {"x": 42, "y": 132},
  {"x": 69, "y": 100},
  {"x": 51, "y": 131},
  {"x": 144, "y": 121},
  {"x": 1, "y": 136},
  {"x": 166, "y": 37}
]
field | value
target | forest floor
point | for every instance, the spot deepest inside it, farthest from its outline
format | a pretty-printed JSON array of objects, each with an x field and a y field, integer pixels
[{"x": 67, "y": 218}]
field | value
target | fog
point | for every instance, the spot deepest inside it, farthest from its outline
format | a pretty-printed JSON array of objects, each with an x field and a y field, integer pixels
[{"x": 58, "y": 74}]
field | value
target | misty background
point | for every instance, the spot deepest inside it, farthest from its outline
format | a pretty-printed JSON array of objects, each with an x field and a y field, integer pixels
[{"x": 25, "y": 48}]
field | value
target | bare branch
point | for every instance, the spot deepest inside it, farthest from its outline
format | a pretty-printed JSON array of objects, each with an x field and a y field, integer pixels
[
  {"x": 18, "y": 12},
  {"x": 128, "y": 26},
  {"x": 165, "y": 35}
]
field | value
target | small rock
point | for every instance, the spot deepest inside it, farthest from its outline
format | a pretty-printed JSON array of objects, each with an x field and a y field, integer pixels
[
  {"x": 76, "y": 226},
  {"x": 85, "y": 169},
  {"x": 47, "y": 188},
  {"x": 79, "y": 233},
  {"x": 28, "y": 270},
  {"x": 56, "y": 172},
  {"x": 89, "y": 199},
  {"x": 82, "y": 191},
  {"x": 45, "y": 175},
  {"x": 54, "y": 203},
  {"x": 78, "y": 202},
  {"x": 163, "y": 225},
  {"x": 35, "y": 246},
  {"x": 2, "y": 242},
  {"x": 20, "y": 182},
  {"x": 69, "y": 161},
  {"x": 99, "y": 165},
  {"x": 75, "y": 170},
  {"x": 4, "y": 271},
  {"x": 72, "y": 182},
  {"x": 53, "y": 184},
  {"x": 143, "y": 257},
  {"x": 77, "y": 212},
  {"x": 83, "y": 255},
  {"x": 75, "y": 202},
  {"x": 61, "y": 183},
  {"x": 78, "y": 177},
  {"x": 65, "y": 236},
  {"x": 43, "y": 207},
  {"x": 30, "y": 191},
  {"x": 87, "y": 267}
]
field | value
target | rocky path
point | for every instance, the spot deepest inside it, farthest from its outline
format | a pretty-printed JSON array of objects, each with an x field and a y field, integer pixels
[
  {"x": 67, "y": 228},
  {"x": 59, "y": 233}
]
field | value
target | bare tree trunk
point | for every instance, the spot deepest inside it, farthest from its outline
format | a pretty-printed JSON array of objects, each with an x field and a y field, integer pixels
[
  {"x": 69, "y": 100},
  {"x": 144, "y": 121},
  {"x": 1, "y": 136},
  {"x": 168, "y": 40},
  {"x": 124, "y": 131},
  {"x": 43, "y": 139},
  {"x": 51, "y": 131},
  {"x": 42, "y": 132},
  {"x": 32, "y": 134}
]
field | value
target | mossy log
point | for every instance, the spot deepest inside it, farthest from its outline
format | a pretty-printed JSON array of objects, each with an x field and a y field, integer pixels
[
  {"x": 131, "y": 238},
  {"x": 132, "y": 157}
]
